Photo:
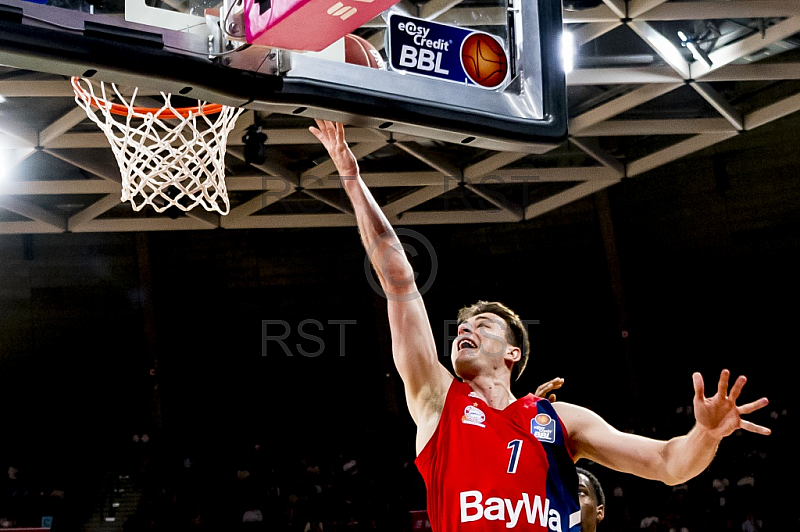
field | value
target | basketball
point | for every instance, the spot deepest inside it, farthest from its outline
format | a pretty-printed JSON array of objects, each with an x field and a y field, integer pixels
[
  {"x": 484, "y": 60},
  {"x": 359, "y": 51}
]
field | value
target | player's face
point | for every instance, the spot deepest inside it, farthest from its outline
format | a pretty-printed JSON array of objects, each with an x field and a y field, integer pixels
[
  {"x": 481, "y": 345},
  {"x": 591, "y": 513}
]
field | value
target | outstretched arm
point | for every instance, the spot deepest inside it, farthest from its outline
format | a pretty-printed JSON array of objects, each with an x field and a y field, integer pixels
[
  {"x": 672, "y": 461},
  {"x": 413, "y": 347}
]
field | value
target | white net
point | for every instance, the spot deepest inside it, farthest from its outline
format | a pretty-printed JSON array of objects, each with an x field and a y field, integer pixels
[{"x": 168, "y": 157}]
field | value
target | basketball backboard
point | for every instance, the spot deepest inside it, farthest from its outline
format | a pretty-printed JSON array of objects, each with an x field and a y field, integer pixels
[{"x": 480, "y": 73}]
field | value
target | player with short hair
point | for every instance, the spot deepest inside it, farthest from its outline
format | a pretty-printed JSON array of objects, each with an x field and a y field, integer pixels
[
  {"x": 492, "y": 461},
  {"x": 592, "y": 499}
]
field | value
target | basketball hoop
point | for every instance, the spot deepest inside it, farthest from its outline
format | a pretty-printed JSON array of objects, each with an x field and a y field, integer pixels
[{"x": 164, "y": 164}]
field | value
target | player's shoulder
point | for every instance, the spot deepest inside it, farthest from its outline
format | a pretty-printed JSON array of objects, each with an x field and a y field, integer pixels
[
  {"x": 578, "y": 418},
  {"x": 570, "y": 410}
]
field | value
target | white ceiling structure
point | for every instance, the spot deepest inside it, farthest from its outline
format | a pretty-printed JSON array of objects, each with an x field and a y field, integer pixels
[{"x": 637, "y": 100}]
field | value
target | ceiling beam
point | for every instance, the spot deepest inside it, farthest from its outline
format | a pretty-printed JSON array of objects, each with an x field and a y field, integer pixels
[
  {"x": 457, "y": 217},
  {"x": 592, "y": 31},
  {"x": 676, "y": 151},
  {"x": 402, "y": 179},
  {"x": 8, "y": 142},
  {"x": 636, "y": 8},
  {"x": 254, "y": 205},
  {"x": 327, "y": 168},
  {"x": 557, "y": 175},
  {"x": 63, "y": 124},
  {"x": 406, "y": 7},
  {"x": 618, "y": 7},
  {"x": 269, "y": 167},
  {"x": 698, "y": 10},
  {"x": 490, "y": 164},
  {"x": 89, "y": 163},
  {"x": 283, "y": 221},
  {"x": 667, "y": 126},
  {"x": 14, "y": 156},
  {"x": 497, "y": 199},
  {"x": 122, "y": 225},
  {"x": 17, "y": 130},
  {"x": 736, "y": 50},
  {"x": 625, "y": 75},
  {"x": 209, "y": 218},
  {"x": 418, "y": 197},
  {"x": 94, "y": 210},
  {"x": 568, "y": 196},
  {"x": 39, "y": 88},
  {"x": 33, "y": 211},
  {"x": 243, "y": 122},
  {"x": 278, "y": 136},
  {"x": 592, "y": 147},
  {"x": 27, "y": 228},
  {"x": 316, "y": 182},
  {"x": 434, "y": 161},
  {"x": 67, "y": 141},
  {"x": 481, "y": 173},
  {"x": 718, "y": 102},
  {"x": 31, "y": 187},
  {"x": 432, "y": 9},
  {"x": 619, "y": 105},
  {"x": 662, "y": 46},
  {"x": 258, "y": 181},
  {"x": 340, "y": 204},
  {"x": 755, "y": 72},
  {"x": 601, "y": 13},
  {"x": 378, "y": 40},
  {"x": 301, "y": 135},
  {"x": 665, "y": 74},
  {"x": 772, "y": 112},
  {"x": 466, "y": 16},
  {"x": 720, "y": 9}
]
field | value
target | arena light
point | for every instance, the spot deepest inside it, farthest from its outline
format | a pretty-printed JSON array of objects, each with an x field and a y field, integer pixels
[
  {"x": 568, "y": 51},
  {"x": 698, "y": 53}
]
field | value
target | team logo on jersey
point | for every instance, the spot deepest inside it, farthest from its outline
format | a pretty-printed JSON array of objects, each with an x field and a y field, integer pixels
[
  {"x": 473, "y": 416},
  {"x": 543, "y": 428}
]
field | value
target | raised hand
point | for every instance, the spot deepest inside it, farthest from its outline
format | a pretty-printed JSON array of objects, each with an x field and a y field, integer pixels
[
  {"x": 544, "y": 389},
  {"x": 719, "y": 413},
  {"x": 331, "y": 135}
]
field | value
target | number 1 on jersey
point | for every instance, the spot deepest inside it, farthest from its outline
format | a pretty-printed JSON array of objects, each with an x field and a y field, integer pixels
[{"x": 515, "y": 446}]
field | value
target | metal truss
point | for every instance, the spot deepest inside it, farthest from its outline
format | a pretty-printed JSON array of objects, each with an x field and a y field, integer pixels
[{"x": 638, "y": 100}]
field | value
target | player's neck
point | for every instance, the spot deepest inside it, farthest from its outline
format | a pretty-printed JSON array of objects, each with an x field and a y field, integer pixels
[{"x": 496, "y": 392}]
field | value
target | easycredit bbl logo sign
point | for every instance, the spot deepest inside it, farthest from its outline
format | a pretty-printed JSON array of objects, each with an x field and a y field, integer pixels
[{"x": 446, "y": 52}]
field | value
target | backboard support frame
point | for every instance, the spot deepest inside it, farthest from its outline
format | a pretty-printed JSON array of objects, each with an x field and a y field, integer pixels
[{"x": 72, "y": 43}]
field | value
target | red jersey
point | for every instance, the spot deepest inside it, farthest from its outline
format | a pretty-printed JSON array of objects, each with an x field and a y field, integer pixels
[{"x": 490, "y": 470}]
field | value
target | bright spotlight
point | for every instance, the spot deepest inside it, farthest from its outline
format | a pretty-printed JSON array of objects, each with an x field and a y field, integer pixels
[
  {"x": 698, "y": 53},
  {"x": 568, "y": 51}
]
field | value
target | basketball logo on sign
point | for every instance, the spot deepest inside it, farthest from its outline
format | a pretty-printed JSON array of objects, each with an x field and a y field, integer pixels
[{"x": 484, "y": 60}]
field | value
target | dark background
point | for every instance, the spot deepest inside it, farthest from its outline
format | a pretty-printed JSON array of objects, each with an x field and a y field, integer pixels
[{"x": 706, "y": 279}]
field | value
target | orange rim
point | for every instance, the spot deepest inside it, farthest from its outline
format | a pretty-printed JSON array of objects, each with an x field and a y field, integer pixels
[{"x": 123, "y": 110}]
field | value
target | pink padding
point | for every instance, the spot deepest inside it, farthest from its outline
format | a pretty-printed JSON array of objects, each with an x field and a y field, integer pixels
[{"x": 308, "y": 25}]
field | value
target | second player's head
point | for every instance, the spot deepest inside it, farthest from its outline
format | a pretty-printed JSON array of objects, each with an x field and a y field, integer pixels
[{"x": 592, "y": 499}]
